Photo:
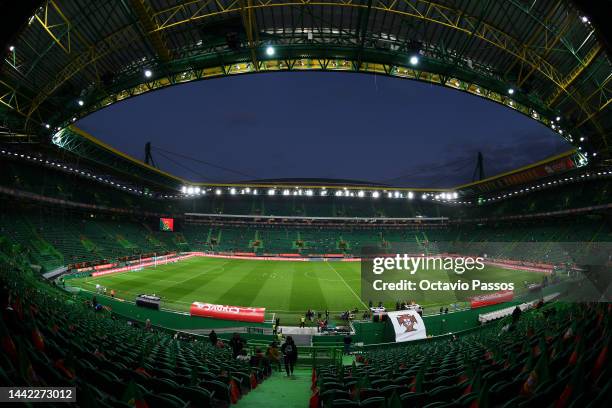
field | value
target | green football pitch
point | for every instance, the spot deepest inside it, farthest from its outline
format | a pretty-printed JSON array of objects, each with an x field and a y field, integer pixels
[{"x": 286, "y": 288}]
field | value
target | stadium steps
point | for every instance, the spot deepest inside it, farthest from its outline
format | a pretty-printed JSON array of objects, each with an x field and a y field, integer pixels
[{"x": 279, "y": 391}]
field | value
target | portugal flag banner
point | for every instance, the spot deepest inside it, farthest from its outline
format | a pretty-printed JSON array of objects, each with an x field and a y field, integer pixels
[
  {"x": 408, "y": 325},
  {"x": 166, "y": 224}
]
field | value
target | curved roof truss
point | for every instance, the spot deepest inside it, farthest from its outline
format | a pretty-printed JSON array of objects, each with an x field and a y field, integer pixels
[{"x": 97, "y": 52}]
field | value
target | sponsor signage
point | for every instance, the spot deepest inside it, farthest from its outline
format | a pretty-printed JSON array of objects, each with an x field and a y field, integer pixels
[
  {"x": 492, "y": 299},
  {"x": 226, "y": 312}
]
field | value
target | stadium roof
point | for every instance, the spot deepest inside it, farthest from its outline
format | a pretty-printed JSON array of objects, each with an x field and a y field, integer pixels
[{"x": 546, "y": 59}]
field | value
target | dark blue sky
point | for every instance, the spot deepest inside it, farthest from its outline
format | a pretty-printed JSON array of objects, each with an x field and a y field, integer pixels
[{"x": 323, "y": 125}]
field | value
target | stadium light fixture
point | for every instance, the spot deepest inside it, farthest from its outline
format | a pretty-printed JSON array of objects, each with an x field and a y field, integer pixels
[
  {"x": 375, "y": 194},
  {"x": 190, "y": 190},
  {"x": 360, "y": 193},
  {"x": 455, "y": 195},
  {"x": 286, "y": 192},
  {"x": 584, "y": 19},
  {"x": 271, "y": 192},
  {"x": 424, "y": 196},
  {"x": 12, "y": 48},
  {"x": 255, "y": 192},
  {"x": 594, "y": 154},
  {"x": 74, "y": 119},
  {"x": 247, "y": 190},
  {"x": 582, "y": 139},
  {"x": 510, "y": 91},
  {"x": 323, "y": 192},
  {"x": 148, "y": 73},
  {"x": 414, "y": 60},
  {"x": 270, "y": 50},
  {"x": 218, "y": 191},
  {"x": 558, "y": 118},
  {"x": 47, "y": 125},
  {"x": 410, "y": 195},
  {"x": 338, "y": 193},
  {"x": 232, "y": 191},
  {"x": 80, "y": 102},
  {"x": 197, "y": 190}
]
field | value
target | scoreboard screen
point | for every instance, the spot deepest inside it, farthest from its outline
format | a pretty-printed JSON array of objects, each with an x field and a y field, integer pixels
[{"x": 166, "y": 224}]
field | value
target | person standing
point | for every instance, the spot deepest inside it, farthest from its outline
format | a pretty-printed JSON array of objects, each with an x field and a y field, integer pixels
[
  {"x": 236, "y": 344},
  {"x": 212, "y": 336},
  {"x": 347, "y": 344},
  {"x": 290, "y": 355},
  {"x": 273, "y": 355}
]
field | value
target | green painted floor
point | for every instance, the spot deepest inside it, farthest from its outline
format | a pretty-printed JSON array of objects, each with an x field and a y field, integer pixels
[{"x": 279, "y": 391}]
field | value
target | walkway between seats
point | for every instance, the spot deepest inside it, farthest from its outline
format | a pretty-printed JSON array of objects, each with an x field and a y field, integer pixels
[{"x": 279, "y": 391}]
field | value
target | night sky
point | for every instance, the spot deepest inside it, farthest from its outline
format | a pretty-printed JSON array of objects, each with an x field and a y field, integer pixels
[{"x": 323, "y": 125}]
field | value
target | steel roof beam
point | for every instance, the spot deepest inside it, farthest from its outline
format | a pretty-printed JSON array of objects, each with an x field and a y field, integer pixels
[
  {"x": 249, "y": 23},
  {"x": 156, "y": 38},
  {"x": 572, "y": 76}
]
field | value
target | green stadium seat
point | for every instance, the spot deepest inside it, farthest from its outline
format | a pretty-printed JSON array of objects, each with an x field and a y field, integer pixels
[{"x": 373, "y": 402}]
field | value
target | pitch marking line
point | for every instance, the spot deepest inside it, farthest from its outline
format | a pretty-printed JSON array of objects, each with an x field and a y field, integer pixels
[{"x": 347, "y": 285}]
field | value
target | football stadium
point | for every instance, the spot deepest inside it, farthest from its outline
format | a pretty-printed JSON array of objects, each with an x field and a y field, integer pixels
[{"x": 412, "y": 208}]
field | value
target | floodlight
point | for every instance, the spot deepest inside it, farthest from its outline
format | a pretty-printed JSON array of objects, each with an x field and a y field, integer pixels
[
  {"x": 410, "y": 195},
  {"x": 190, "y": 190},
  {"x": 270, "y": 50},
  {"x": 360, "y": 194},
  {"x": 271, "y": 192},
  {"x": 338, "y": 193},
  {"x": 218, "y": 191},
  {"x": 12, "y": 48},
  {"x": 286, "y": 192},
  {"x": 197, "y": 190},
  {"x": 455, "y": 195},
  {"x": 584, "y": 19},
  {"x": 324, "y": 192},
  {"x": 375, "y": 194},
  {"x": 255, "y": 192},
  {"x": 424, "y": 196},
  {"x": 558, "y": 118},
  {"x": 80, "y": 102},
  {"x": 232, "y": 191},
  {"x": 148, "y": 73},
  {"x": 414, "y": 60},
  {"x": 510, "y": 91},
  {"x": 74, "y": 119},
  {"x": 247, "y": 190},
  {"x": 47, "y": 125},
  {"x": 582, "y": 139},
  {"x": 594, "y": 154}
]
